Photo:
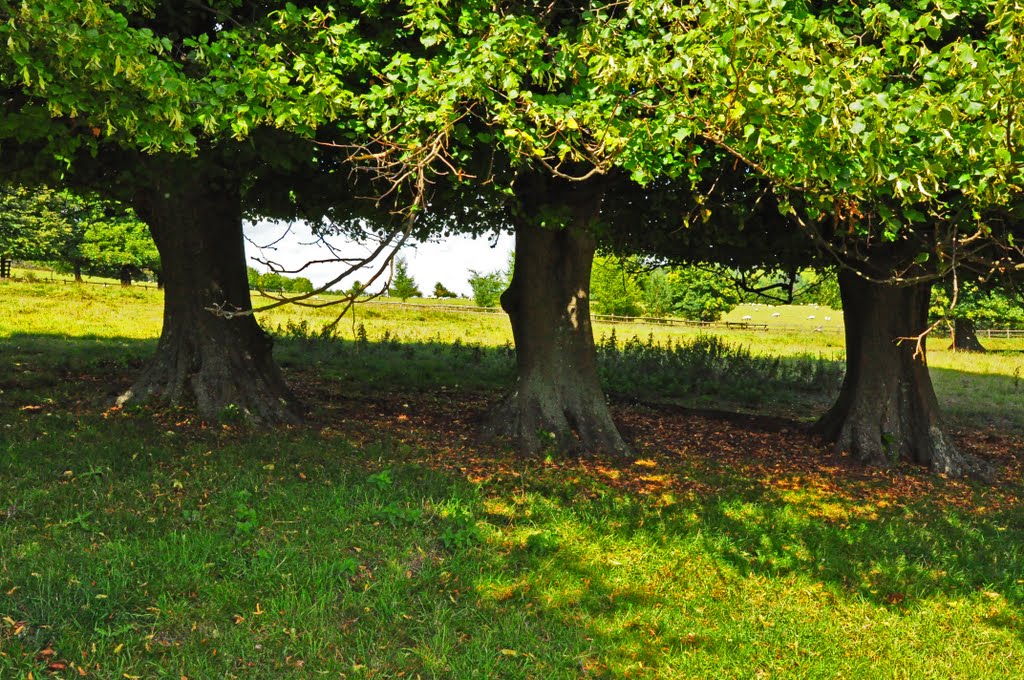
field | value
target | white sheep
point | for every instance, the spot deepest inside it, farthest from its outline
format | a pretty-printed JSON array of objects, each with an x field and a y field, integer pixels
[
  {"x": 776, "y": 314},
  {"x": 811, "y": 317}
]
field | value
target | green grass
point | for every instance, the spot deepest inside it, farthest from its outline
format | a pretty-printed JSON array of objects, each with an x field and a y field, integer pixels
[
  {"x": 138, "y": 548},
  {"x": 973, "y": 389},
  {"x": 379, "y": 541}
]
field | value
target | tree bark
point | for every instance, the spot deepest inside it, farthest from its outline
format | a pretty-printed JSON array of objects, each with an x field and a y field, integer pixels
[
  {"x": 558, "y": 401},
  {"x": 78, "y": 272},
  {"x": 965, "y": 337},
  {"x": 887, "y": 412},
  {"x": 219, "y": 363},
  {"x": 5, "y": 267}
]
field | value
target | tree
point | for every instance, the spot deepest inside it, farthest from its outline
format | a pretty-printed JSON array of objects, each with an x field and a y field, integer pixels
[
  {"x": 488, "y": 287},
  {"x": 403, "y": 286},
  {"x": 301, "y": 284},
  {"x": 273, "y": 282},
  {"x": 879, "y": 126},
  {"x": 357, "y": 288},
  {"x": 701, "y": 293},
  {"x": 112, "y": 82},
  {"x": 657, "y": 293},
  {"x": 441, "y": 292},
  {"x": 558, "y": 400},
  {"x": 988, "y": 305},
  {"x": 75, "y": 232},
  {"x": 614, "y": 288},
  {"x": 117, "y": 244},
  {"x": 252, "y": 276},
  {"x": 111, "y": 90},
  {"x": 32, "y": 223},
  {"x": 820, "y": 287},
  {"x": 884, "y": 134},
  {"x": 194, "y": 212}
]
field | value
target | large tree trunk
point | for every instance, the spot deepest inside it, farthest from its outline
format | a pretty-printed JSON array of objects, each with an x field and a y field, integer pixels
[
  {"x": 887, "y": 411},
  {"x": 558, "y": 401},
  {"x": 219, "y": 363},
  {"x": 965, "y": 337}
]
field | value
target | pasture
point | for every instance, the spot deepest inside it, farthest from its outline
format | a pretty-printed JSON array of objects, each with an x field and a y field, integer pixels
[{"x": 382, "y": 540}]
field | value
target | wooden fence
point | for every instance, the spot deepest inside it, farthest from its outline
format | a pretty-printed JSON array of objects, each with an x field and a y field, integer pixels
[{"x": 650, "y": 320}]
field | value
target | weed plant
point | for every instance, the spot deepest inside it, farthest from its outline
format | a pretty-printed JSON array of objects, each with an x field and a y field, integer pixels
[
  {"x": 707, "y": 367},
  {"x": 392, "y": 363},
  {"x": 702, "y": 369}
]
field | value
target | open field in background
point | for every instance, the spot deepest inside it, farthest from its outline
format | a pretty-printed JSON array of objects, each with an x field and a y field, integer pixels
[
  {"x": 379, "y": 541},
  {"x": 33, "y": 274},
  {"x": 973, "y": 389}
]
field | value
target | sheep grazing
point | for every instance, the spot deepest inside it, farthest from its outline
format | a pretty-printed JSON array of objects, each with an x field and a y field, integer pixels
[
  {"x": 828, "y": 318},
  {"x": 747, "y": 317},
  {"x": 776, "y": 314},
  {"x": 811, "y": 317}
]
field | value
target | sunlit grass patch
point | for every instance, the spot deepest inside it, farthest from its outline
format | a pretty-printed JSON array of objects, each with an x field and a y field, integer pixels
[{"x": 211, "y": 553}]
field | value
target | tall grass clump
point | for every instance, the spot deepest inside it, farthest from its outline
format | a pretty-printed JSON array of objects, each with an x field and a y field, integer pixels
[
  {"x": 703, "y": 368},
  {"x": 389, "y": 361},
  {"x": 708, "y": 367}
]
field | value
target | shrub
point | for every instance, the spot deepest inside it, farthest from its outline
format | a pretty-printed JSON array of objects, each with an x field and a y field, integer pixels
[{"x": 487, "y": 288}]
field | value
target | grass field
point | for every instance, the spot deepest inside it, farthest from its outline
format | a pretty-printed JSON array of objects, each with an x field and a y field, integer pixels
[
  {"x": 975, "y": 390},
  {"x": 381, "y": 541}
]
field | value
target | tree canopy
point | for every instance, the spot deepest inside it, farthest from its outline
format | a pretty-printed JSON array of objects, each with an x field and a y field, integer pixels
[
  {"x": 887, "y": 137},
  {"x": 33, "y": 222}
]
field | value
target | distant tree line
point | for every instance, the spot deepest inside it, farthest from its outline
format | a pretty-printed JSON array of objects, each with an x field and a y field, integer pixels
[
  {"x": 75, "y": 234},
  {"x": 278, "y": 283}
]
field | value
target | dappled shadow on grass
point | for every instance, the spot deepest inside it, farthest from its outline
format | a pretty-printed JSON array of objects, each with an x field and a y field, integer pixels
[
  {"x": 381, "y": 536},
  {"x": 82, "y": 372},
  {"x": 294, "y": 553},
  {"x": 768, "y": 499},
  {"x": 733, "y": 580},
  {"x": 701, "y": 372}
]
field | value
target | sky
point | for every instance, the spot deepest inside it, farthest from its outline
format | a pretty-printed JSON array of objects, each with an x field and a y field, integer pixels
[{"x": 447, "y": 261}]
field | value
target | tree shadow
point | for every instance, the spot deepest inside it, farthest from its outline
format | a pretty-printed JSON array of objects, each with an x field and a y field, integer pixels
[
  {"x": 704, "y": 556},
  {"x": 892, "y": 556}
]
